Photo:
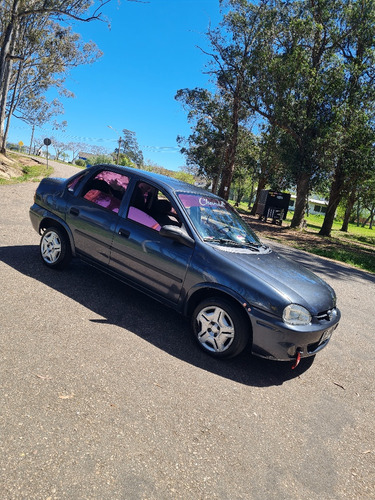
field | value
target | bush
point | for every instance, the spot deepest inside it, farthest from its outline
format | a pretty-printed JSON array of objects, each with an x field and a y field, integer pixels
[{"x": 80, "y": 163}]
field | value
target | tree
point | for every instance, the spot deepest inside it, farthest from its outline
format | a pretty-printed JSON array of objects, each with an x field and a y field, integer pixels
[
  {"x": 368, "y": 201},
  {"x": 231, "y": 45},
  {"x": 130, "y": 149},
  {"x": 354, "y": 155},
  {"x": 48, "y": 53},
  {"x": 306, "y": 68},
  {"x": 292, "y": 67},
  {"x": 246, "y": 164},
  {"x": 21, "y": 21},
  {"x": 206, "y": 147},
  {"x": 274, "y": 155},
  {"x": 60, "y": 148}
]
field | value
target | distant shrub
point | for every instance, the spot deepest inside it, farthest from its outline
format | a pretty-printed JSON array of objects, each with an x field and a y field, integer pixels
[
  {"x": 97, "y": 160},
  {"x": 80, "y": 163}
]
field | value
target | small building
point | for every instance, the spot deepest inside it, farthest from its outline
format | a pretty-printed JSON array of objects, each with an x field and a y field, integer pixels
[
  {"x": 316, "y": 206},
  {"x": 85, "y": 156}
]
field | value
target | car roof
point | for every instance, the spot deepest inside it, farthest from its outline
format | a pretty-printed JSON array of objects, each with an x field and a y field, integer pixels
[{"x": 170, "y": 183}]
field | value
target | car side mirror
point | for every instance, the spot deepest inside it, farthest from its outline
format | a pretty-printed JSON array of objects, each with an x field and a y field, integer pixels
[{"x": 177, "y": 234}]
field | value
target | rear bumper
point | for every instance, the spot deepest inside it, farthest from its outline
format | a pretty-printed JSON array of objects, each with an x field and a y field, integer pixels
[
  {"x": 36, "y": 214},
  {"x": 273, "y": 339}
]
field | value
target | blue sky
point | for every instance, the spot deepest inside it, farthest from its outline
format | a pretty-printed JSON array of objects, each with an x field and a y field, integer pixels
[{"x": 149, "y": 53}]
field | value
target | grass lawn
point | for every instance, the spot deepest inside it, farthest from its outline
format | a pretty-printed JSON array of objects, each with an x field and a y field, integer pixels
[
  {"x": 23, "y": 168},
  {"x": 356, "y": 247},
  {"x": 355, "y": 233}
]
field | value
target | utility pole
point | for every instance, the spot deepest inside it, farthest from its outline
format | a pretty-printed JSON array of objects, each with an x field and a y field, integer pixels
[
  {"x": 118, "y": 151},
  {"x": 119, "y": 143},
  {"x": 32, "y": 138}
]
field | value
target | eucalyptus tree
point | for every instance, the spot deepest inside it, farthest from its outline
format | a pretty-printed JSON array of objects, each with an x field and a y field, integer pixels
[
  {"x": 355, "y": 109},
  {"x": 308, "y": 71},
  {"x": 129, "y": 147},
  {"x": 246, "y": 165},
  {"x": 48, "y": 51},
  {"x": 35, "y": 113},
  {"x": 271, "y": 169},
  {"x": 20, "y": 20},
  {"x": 368, "y": 201},
  {"x": 206, "y": 147},
  {"x": 231, "y": 44},
  {"x": 291, "y": 67}
]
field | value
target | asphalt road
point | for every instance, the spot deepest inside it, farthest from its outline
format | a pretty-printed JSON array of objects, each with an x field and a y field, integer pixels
[{"x": 104, "y": 395}]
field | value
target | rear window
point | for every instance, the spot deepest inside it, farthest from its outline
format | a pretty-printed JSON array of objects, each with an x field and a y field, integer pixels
[{"x": 106, "y": 189}]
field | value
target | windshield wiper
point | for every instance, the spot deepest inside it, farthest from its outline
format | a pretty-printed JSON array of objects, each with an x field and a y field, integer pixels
[{"x": 226, "y": 241}]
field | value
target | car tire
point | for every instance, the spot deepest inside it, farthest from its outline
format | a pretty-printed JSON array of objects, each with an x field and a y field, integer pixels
[
  {"x": 55, "y": 249},
  {"x": 220, "y": 327}
]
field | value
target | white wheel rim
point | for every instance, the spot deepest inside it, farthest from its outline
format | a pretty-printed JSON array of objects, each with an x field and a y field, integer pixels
[
  {"x": 51, "y": 247},
  {"x": 216, "y": 329}
]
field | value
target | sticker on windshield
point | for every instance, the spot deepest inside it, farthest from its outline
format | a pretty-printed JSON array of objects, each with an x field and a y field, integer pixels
[{"x": 189, "y": 201}]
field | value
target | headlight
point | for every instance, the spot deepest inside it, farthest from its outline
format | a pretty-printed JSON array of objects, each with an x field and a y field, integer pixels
[{"x": 296, "y": 315}]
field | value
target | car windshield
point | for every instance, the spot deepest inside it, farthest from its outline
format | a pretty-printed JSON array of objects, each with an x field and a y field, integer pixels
[{"x": 217, "y": 222}]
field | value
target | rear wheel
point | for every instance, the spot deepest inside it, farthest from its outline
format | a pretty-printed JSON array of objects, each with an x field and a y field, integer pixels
[
  {"x": 55, "y": 248},
  {"x": 220, "y": 327}
]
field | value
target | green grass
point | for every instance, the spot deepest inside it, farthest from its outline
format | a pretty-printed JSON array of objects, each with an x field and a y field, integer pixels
[
  {"x": 29, "y": 173},
  {"x": 355, "y": 247},
  {"x": 362, "y": 260},
  {"x": 360, "y": 234}
]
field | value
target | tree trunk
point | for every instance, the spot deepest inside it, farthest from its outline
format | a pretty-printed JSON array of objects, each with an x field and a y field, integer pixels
[
  {"x": 239, "y": 196},
  {"x": 5, "y": 70},
  {"x": 335, "y": 196},
  {"x": 12, "y": 105},
  {"x": 251, "y": 194},
  {"x": 215, "y": 183},
  {"x": 372, "y": 218},
  {"x": 358, "y": 213},
  {"x": 228, "y": 170},
  {"x": 348, "y": 211},
  {"x": 301, "y": 200},
  {"x": 3, "y": 103},
  {"x": 261, "y": 185}
]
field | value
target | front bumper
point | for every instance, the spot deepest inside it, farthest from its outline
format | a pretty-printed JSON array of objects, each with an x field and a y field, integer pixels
[{"x": 273, "y": 339}]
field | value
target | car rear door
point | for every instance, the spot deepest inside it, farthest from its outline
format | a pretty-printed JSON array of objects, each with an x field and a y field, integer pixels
[{"x": 93, "y": 214}]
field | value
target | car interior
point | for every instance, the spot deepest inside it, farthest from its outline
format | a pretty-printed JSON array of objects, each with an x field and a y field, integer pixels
[{"x": 148, "y": 206}]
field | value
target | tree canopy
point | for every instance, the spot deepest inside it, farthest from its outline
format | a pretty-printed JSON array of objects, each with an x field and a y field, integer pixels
[
  {"x": 305, "y": 70},
  {"x": 37, "y": 48}
]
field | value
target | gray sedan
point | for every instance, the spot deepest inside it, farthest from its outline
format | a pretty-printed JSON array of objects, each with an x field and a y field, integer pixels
[{"x": 189, "y": 249}]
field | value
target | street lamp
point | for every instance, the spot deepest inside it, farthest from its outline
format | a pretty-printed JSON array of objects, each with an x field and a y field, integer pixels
[{"x": 119, "y": 143}]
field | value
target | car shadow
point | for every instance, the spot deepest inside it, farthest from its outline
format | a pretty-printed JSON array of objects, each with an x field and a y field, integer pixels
[{"x": 121, "y": 305}]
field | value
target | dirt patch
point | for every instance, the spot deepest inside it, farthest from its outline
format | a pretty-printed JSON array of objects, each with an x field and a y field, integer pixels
[{"x": 13, "y": 167}]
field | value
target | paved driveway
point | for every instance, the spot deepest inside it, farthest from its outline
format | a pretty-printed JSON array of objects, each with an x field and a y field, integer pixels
[{"x": 105, "y": 396}]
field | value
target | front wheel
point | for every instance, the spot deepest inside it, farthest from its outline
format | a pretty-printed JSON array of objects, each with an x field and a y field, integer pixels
[
  {"x": 55, "y": 248},
  {"x": 220, "y": 328}
]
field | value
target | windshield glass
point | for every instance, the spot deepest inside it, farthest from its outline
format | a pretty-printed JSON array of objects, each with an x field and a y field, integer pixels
[{"x": 217, "y": 222}]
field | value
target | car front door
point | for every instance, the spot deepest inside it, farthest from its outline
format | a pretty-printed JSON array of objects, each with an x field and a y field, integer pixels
[{"x": 152, "y": 262}]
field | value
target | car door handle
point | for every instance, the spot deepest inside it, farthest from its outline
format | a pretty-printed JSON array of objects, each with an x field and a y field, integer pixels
[
  {"x": 124, "y": 232},
  {"x": 74, "y": 211}
]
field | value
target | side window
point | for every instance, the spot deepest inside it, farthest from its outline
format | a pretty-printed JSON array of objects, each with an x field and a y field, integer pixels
[
  {"x": 151, "y": 208},
  {"x": 73, "y": 183},
  {"x": 106, "y": 189}
]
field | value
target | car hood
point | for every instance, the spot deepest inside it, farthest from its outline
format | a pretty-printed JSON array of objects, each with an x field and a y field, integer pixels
[{"x": 289, "y": 280}]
